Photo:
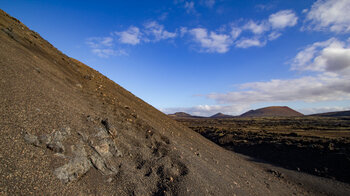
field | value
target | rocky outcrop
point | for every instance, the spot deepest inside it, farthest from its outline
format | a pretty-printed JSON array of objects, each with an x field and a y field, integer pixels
[
  {"x": 97, "y": 150},
  {"x": 51, "y": 141}
]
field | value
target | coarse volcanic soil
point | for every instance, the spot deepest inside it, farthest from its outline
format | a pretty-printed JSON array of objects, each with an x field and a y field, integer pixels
[{"x": 68, "y": 130}]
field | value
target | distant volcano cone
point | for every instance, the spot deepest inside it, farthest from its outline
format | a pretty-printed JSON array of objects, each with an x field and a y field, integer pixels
[
  {"x": 221, "y": 115},
  {"x": 273, "y": 111}
]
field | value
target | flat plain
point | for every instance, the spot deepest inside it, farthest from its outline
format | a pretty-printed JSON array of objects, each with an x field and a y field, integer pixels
[{"x": 311, "y": 144}]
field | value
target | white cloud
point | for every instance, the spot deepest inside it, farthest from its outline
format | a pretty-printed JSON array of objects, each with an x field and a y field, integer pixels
[
  {"x": 328, "y": 61},
  {"x": 208, "y": 3},
  {"x": 332, "y": 15},
  {"x": 283, "y": 19},
  {"x": 103, "y": 47},
  {"x": 211, "y": 42},
  {"x": 189, "y": 6},
  {"x": 328, "y": 56},
  {"x": 261, "y": 32},
  {"x": 97, "y": 42},
  {"x": 163, "y": 16},
  {"x": 209, "y": 110},
  {"x": 105, "y": 53},
  {"x": 308, "y": 89},
  {"x": 256, "y": 27},
  {"x": 152, "y": 31},
  {"x": 183, "y": 31},
  {"x": 235, "y": 32},
  {"x": 249, "y": 42},
  {"x": 157, "y": 31},
  {"x": 265, "y": 7},
  {"x": 274, "y": 35},
  {"x": 263, "y": 29},
  {"x": 131, "y": 36},
  {"x": 256, "y": 33}
]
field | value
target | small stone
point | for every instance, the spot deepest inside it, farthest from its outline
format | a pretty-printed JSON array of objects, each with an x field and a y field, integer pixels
[
  {"x": 37, "y": 69},
  {"x": 103, "y": 149},
  {"x": 44, "y": 139},
  {"x": 109, "y": 180},
  {"x": 56, "y": 147},
  {"x": 331, "y": 146},
  {"x": 112, "y": 131},
  {"x": 89, "y": 118},
  {"x": 31, "y": 139}
]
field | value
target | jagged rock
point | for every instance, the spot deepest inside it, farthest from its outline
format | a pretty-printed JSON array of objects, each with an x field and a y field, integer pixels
[
  {"x": 104, "y": 152},
  {"x": 76, "y": 167},
  {"x": 100, "y": 164},
  {"x": 32, "y": 139},
  {"x": 101, "y": 144},
  {"x": 52, "y": 141},
  {"x": 10, "y": 33}
]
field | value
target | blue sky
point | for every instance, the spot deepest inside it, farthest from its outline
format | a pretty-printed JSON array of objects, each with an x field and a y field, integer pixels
[{"x": 207, "y": 56}]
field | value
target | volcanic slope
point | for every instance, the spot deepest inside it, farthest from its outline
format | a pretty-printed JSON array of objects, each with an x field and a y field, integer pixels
[
  {"x": 272, "y": 111},
  {"x": 221, "y": 115},
  {"x": 180, "y": 115},
  {"x": 66, "y": 129},
  {"x": 333, "y": 114}
]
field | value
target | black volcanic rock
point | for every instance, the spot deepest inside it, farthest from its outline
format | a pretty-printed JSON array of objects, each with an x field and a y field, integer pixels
[{"x": 277, "y": 111}]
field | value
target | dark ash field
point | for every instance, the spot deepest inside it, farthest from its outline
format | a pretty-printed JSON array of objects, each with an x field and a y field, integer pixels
[{"x": 315, "y": 145}]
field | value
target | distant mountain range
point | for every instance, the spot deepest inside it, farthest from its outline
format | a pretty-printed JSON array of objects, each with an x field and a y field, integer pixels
[
  {"x": 262, "y": 112},
  {"x": 272, "y": 111}
]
